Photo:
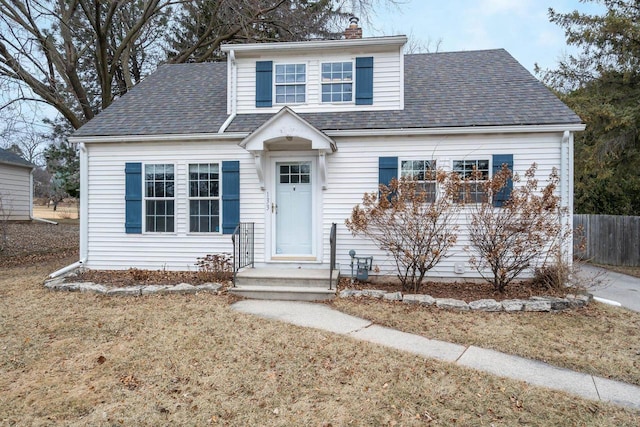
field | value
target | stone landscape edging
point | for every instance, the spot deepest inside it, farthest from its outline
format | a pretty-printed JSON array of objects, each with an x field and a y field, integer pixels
[
  {"x": 537, "y": 304},
  {"x": 59, "y": 284}
]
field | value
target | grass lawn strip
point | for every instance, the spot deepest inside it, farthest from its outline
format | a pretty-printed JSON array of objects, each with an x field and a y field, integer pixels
[
  {"x": 82, "y": 359},
  {"x": 598, "y": 340}
]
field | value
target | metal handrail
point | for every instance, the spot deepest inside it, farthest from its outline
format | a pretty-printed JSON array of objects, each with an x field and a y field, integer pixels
[
  {"x": 243, "y": 247},
  {"x": 332, "y": 243}
]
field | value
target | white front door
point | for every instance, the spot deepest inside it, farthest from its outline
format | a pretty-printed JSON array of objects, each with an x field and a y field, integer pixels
[{"x": 294, "y": 208}]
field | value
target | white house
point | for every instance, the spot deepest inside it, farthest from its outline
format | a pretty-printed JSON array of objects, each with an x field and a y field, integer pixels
[
  {"x": 16, "y": 187},
  {"x": 288, "y": 137}
]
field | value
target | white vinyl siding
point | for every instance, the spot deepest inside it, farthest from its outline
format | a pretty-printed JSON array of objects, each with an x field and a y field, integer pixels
[
  {"x": 387, "y": 82},
  {"x": 15, "y": 190},
  {"x": 351, "y": 171},
  {"x": 109, "y": 247}
]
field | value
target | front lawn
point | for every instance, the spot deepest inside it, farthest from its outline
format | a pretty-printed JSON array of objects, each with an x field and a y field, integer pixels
[
  {"x": 599, "y": 339},
  {"x": 83, "y": 359}
]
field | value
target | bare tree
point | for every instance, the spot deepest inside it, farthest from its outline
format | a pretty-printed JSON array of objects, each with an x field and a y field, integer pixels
[{"x": 79, "y": 55}]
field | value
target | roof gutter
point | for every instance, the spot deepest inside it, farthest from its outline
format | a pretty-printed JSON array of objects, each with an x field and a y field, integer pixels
[
  {"x": 457, "y": 130},
  {"x": 231, "y": 90},
  {"x": 573, "y": 127},
  {"x": 171, "y": 137}
]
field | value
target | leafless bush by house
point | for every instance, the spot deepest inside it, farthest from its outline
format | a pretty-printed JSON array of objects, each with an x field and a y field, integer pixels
[
  {"x": 414, "y": 227},
  {"x": 214, "y": 268},
  {"x": 4, "y": 224},
  {"x": 526, "y": 233}
]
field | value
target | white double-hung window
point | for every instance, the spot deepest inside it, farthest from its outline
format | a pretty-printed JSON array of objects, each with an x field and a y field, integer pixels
[
  {"x": 159, "y": 198},
  {"x": 337, "y": 82},
  {"x": 291, "y": 83},
  {"x": 424, "y": 173},
  {"x": 204, "y": 198},
  {"x": 475, "y": 174}
]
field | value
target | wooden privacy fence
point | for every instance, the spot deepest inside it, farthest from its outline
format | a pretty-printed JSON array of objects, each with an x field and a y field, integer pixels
[{"x": 609, "y": 239}]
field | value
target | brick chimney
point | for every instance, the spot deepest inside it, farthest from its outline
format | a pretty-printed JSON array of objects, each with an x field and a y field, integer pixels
[{"x": 353, "y": 31}]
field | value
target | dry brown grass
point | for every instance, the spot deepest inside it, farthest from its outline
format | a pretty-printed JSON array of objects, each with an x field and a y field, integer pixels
[
  {"x": 81, "y": 359},
  {"x": 598, "y": 340},
  {"x": 66, "y": 210}
]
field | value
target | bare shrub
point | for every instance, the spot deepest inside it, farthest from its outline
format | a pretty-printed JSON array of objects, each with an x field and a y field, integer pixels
[
  {"x": 408, "y": 223},
  {"x": 520, "y": 235},
  {"x": 4, "y": 225},
  {"x": 214, "y": 268}
]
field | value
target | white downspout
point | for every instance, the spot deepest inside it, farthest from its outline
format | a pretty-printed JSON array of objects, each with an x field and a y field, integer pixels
[
  {"x": 84, "y": 208},
  {"x": 564, "y": 168},
  {"x": 232, "y": 76},
  {"x": 565, "y": 180},
  {"x": 570, "y": 192}
]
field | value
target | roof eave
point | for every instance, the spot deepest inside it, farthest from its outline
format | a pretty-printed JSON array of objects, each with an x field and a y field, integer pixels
[
  {"x": 22, "y": 165},
  {"x": 315, "y": 44},
  {"x": 171, "y": 137},
  {"x": 500, "y": 129}
]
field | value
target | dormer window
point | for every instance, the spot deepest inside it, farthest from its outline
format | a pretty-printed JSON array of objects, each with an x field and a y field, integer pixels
[
  {"x": 291, "y": 83},
  {"x": 337, "y": 82}
]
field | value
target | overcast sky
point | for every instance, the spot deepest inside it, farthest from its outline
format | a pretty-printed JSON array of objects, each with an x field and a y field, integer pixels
[{"x": 521, "y": 27}]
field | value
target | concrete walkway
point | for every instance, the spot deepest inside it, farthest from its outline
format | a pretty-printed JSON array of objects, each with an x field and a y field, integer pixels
[
  {"x": 322, "y": 317},
  {"x": 612, "y": 286}
]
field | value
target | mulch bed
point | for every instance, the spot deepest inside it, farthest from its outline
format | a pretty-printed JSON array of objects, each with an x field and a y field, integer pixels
[
  {"x": 134, "y": 277},
  {"x": 466, "y": 291}
]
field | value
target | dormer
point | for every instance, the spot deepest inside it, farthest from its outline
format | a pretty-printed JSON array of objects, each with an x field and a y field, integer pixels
[{"x": 353, "y": 74}]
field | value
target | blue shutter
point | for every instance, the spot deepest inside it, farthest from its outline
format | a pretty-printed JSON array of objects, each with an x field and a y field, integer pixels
[
  {"x": 230, "y": 196},
  {"x": 503, "y": 195},
  {"x": 364, "y": 81},
  {"x": 133, "y": 198},
  {"x": 264, "y": 83},
  {"x": 387, "y": 169}
]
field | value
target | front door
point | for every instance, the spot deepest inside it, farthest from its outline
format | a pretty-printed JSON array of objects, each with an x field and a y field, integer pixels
[{"x": 294, "y": 208}]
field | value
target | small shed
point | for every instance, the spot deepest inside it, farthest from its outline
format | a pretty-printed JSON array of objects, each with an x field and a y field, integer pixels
[{"x": 16, "y": 187}]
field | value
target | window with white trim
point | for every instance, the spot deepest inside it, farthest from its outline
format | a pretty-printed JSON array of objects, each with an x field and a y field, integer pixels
[
  {"x": 423, "y": 172},
  {"x": 290, "y": 80},
  {"x": 475, "y": 173},
  {"x": 337, "y": 82},
  {"x": 159, "y": 198},
  {"x": 204, "y": 198}
]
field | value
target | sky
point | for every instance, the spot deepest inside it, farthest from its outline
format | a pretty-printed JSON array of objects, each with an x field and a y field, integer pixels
[{"x": 521, "y": 27}]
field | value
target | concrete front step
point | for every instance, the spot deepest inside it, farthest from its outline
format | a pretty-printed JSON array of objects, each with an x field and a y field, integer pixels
[
  {"x": 287, "y": 293},
  {"x": 297, "y": 284}
]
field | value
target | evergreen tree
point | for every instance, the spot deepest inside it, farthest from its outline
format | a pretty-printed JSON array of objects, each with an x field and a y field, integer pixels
[{"x": 602, "y": 84}]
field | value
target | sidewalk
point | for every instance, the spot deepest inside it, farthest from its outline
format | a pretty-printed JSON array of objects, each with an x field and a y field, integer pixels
[{"x": 320, "y": 316}]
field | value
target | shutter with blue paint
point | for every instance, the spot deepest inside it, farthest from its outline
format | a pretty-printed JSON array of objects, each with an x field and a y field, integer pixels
[
  {"x": 133, "y": 198},
  {"x": 387, "y": 170},
  {"x": 364, "y": 81},
  {"x": 264, "y": 83},
  {"x": 503, "y": 195},
  {"x": 230, "y": 196}
]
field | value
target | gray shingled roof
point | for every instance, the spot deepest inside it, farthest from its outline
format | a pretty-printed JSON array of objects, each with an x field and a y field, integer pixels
[
  {"x": 474, "y": 88},
  {"x": 14, "y": 159}
]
